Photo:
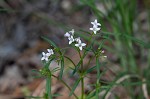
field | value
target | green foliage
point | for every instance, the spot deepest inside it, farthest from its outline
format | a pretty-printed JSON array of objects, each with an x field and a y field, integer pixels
[{"x": 120, "y": 15}]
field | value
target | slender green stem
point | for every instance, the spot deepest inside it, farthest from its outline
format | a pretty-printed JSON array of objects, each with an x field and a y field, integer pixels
[
  {"x": 65, "y": 84},
  {"x": 149, "y": 35},
  {"x": 98, "y": 77},
  {"x": 82, "y": 78},
  {"x": 82, "y": 88},
  {"x": 48, "y": 87},
  {"x": 90, "y": 38},
  {"x": 82, "y": 70},
  {"x": 88, "y": 64},
  {"x": 70, "y": 61}
]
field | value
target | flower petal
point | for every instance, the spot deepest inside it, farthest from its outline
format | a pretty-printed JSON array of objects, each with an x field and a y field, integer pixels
[
  {"x": 67, "y": 34},
  {"x": 42, "y": 58},
  {"x": 83, "y": 44},
  {"x": 77, "y": 45},
  {"x": 46, "y": 59},
  {"x": 80, "y": 47},
  {"x": 43, "y": 53},
  {"x": 91, "y": 29}
]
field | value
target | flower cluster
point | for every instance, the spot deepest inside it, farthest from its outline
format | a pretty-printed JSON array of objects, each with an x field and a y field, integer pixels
[
  {"x": 47, "y": 55},
  {"x": 95, "y": 27},
  {"x": 77, "y": 41},
  {"x": 70, "y": 36}
]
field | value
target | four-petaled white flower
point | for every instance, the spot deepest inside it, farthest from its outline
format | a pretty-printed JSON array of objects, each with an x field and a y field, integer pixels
[
  {"x": 80, "y": 45},
  {"x": 69, "y": 34},
  {"x": 71, "y": 39},
  {"x": 95, "y": 27},
  {"x": 50, "y": 52},
  {"x": 95, "y": 23},
  {"x": 45, "y": 57}
]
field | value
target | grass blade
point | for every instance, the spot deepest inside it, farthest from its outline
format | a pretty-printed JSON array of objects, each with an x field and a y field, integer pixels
[
  {"x": 49, "y": 41},
  {"x": 62, "y": 68}
]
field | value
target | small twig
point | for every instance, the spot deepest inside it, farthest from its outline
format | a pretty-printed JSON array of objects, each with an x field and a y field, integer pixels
[
  {"x": 117, "y": 82},
  {"x": 144, "y": 88}
]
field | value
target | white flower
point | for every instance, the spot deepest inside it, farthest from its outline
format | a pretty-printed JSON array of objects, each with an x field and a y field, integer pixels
[
  {"x": 78, "y": 39},
  {"x": 95, "y": 29},
  {"x": 50, "y": 52},
  {"x": 80, "y": 45},
  {"x": 71, "y": 39},
  {"x": 67, "y": 34},
  {"x": 70, "y": 33},
  {"x": 95, "y": 23},
  {"x": 45, "y": 57}
]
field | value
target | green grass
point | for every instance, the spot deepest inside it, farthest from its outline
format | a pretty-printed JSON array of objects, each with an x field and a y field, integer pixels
[{"x": 121, "y": 18}]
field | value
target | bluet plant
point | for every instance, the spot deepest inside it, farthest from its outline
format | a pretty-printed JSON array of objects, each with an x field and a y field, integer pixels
[{"x": 83, "y": 49}]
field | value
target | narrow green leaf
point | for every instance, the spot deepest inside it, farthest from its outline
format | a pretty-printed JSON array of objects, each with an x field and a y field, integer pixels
[
  {"x": 55, "y": 69},
  {"x": 56, "y": 95},
  {"x": 90, "y": 70},
  {"x": 91, "y": 95},
  {"x": 39, "y": 74},
  {"x": 36, "y": 71},
  {"x": 147, "y": 45},
  {"x": 49, "y": 41},
  {"x": 62, "y": 68},
  {"x": 139, "y": 83},
  {"x": 76, "y": 68},
  {"x": 70, "y": 60}
]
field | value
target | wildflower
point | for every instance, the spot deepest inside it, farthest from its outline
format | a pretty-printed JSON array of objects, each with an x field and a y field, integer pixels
[
  {"x": 45, "y": 57},
  {"x": 95, "y": 23},
  {"x": 80, "y": 45},
  {"x": 71, "y": 39},
  {"x": 95, "y": 27},
  {"x": 77, "y": 39},
  {"x": 70, "y": 33},
  {"x": 50, "y": 52}
]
